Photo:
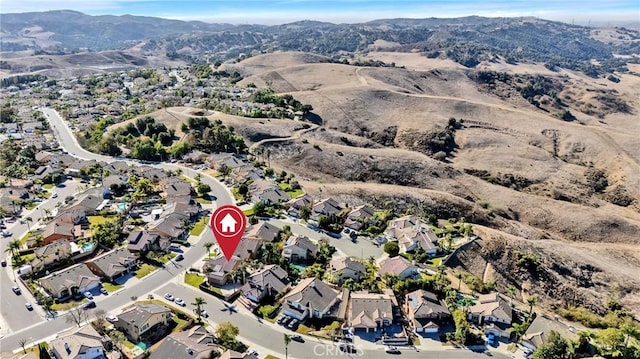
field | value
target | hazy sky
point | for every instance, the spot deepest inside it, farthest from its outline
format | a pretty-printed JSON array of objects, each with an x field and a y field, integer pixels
[{"x": 276, "y": 12}]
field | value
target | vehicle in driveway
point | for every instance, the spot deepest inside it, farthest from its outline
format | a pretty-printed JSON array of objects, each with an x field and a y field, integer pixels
[
  {"x": 16, "y": 290},
  {"x": 103, "y": 291},
  {"x": 179, "y": 257},
  {"x": 111, "y": 318},
  {"x": 28, "y": 306},
  {"x": 88, "y": 295},
  {"x": 282, "y": 319},
  {"x": 293, "y": 325},
  {"x": 169, "y": 297}
]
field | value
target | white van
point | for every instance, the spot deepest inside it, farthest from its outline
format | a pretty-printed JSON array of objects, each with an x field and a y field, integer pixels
[{"x": 175, "y": 247}]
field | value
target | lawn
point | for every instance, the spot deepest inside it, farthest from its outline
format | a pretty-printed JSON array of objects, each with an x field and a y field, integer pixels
[
  {"x": 193, "y": 279},
  {"x": 437, "y": 261},
  {"x": 249, "y": 212},
  {"x": 303, "y": 329},
  {"x": 166, "y": 258},
  {"x": 236, "y": 195},
  {"x": 68, "y": 304},
  {"x": 206, "y": 200},
  {"x": 48, "y": 186},
  {"x": 94, "y": 220},
  {"x": 25, "y": 238},
  {"x": 290, "y": 192},
  {"x": 110, "y": 287},
  {"x": 30, "y": 206},
  {"x": 199, "y": 226},
  {"x": 144, "y": 270},
  {"x": 271, "y": 357}
]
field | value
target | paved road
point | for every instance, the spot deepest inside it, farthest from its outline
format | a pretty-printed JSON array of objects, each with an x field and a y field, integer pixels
[
  {"x": 12, "y": 308},
  {"x": 264, "y": 335}
]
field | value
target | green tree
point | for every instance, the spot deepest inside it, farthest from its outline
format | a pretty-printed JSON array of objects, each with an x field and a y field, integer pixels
[
  {"x": 287, "y": 340},
  {"x": 304, "y": 212},
  {"x": 392, "y": 249},
  {"x": 518, "y": 329},
  {"x": 107, "y": 233},
  {"x": 532, "y": 300},
  {"x": 556, "y": 347},
  {"x": 462, "y": 326},
  {"x": 227, "y": 332},
  {"x": 208, "y": 246},
  {"x": 203, "y": 189},
  {"x": 611, "y": 341}
]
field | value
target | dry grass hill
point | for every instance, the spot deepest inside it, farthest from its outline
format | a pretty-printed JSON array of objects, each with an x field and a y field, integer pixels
[{"x": 512, "y": 164}]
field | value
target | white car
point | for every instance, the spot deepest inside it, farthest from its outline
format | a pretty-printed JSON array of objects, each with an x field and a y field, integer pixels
[
  {"x": 252, "y": 352},
  {"x": 55, "y": 195},
  {"x": 180, "y": 302},
  {"x": 392, "y": 350},
  {"x": 204, "y": 314},
  {"x": 88, "y": 295},
  {"x": 168, "y": 297},
  {"x": 111, "y": 318}
]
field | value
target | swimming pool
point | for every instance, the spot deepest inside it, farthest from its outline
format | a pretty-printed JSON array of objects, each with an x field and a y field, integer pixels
[
  {"x": 122, "y": 206},
  {"x": 86, "y": 247}
]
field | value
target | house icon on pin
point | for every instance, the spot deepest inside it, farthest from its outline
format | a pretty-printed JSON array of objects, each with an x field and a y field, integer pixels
[{"x": 228, "y": 224}]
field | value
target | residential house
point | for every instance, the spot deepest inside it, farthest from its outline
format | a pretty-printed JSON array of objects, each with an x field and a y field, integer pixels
[
  {"x": 72, "y": 216},
  {"x": 358, "y": 216},
  {"x": 171, "y": 226},
  {"x": 369, "y": 311},
  {"x": 195, "y": 343},
  {"x": 397, "y": 226},
  {"x": 154, "y": 174},
  {"x": 326, "y": 207},
  {"x": 294, "y": 204},
  {"x": 31, "y": 127},
  {"x": 90, "y": 202},
  {"x": 538, "y": 332},
  {"x": 266, "y": 282},
  {"x": 493, "y": 311},
  {"x": 248, "y": 248},
  {"x": 177, "y": 187},
  {"x": 399, "y": 266},
  {"x": 299, "y": 249},
  {"x": 311, "y": 298},
  {"x": 145, "y": 241},
  {"x": 342, "y": 268},
  {"x": 55, "y": 230},
  {"x": 72, "y": 281},
  {"x": 144, "y": 322},
  {"x": 85, "y": 343},
  {"x": 267, "y": 192},
  {"x": 411, "y": 239},
  {"x": 50, "y": 254},
  {"x": 264, "y": 231},
  {"x": 219, "y": 269},
  {"x": 113, "y": 264},
  {"x": 425, "y": 311}
]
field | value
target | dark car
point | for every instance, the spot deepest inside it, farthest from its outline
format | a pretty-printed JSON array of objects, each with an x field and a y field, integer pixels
[
  {"x": 297, "y": 338},
  {"x": 4, "y": 263},
  {"x": 286, "y": 321},
  {"x": 281, "y": 319},
  {"x": 348, "y": 348},
  {"x": 88, "y": 305}
]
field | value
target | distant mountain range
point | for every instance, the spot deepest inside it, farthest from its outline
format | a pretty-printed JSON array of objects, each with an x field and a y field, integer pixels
[{"x": 467, "y": 40}]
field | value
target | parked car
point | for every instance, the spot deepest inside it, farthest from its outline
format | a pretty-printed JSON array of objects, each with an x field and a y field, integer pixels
[
  {"x": 88, "y": 295},
  {"x": 391, "y": 349},
  {"x": 16, "y": 290},
  {"x": 293, "y": 325},
  {"x": 168, "y": 297},
  {"x": 297, "y": 338},
  {"x": 179, "y": 257},
  {"x": 55, "y": 195},
  {"x": 6, "y": 234},
  {"x": 282, "y": 319},
  {"x": 204, "y": 313},
  {"x": 88, "y": 305},
  {"x": 103, "y": 291},
  {"x": 252, "y": 352},
  {"x": 347, "y": 348},
  {"x": 4, "y": 263},
  {"x": 111, "y": 318},
  {"x": 28, "y": 306},
  {"x": 180, "y": 302}
]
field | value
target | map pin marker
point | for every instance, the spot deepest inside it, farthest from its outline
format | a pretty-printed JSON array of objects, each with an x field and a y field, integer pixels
[{"x": 228, "y": 224}]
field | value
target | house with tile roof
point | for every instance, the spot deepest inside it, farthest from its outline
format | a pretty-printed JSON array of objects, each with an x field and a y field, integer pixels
[
  {"x": 85, "y": 343},
  {"x": 311, "y": 298},
  {"x": 144, "y": 322},
  {"x": 425, "y": 311},
  {"x": 219, "y": 269},
  {"x": 399, "y": 266},
  {"x": 342, "y": 268},
  {"x": 369, "y": 311},
  {"x": 195, "y": 343},
  {"x": 491, "y": 308},
  {"x": 266, "y": 282},
  {"x": 264, "y": 231},
  {"x": 358, "y": 215},
  {"x": 113, "y": 264},
  {"x": 72, "y": 281},
  {"x": 299, "y": 249}
]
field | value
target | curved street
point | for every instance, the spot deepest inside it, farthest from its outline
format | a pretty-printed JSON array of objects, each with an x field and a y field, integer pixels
[{"x": 265, "y": 337}]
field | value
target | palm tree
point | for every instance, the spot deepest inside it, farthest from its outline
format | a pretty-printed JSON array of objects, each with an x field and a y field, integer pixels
[
  {"x": 47, "y": 213},
  {"x": 208, "y": 246},
  {"x": 27, "y": 220},
  {"x": 465, "y": 303},
  {"x": 512, "y": 291},
  {"x": 13, "y": 247},
  {"x": 459, "y": 275},
  {"x": 518, "y": 329},
  {"x": 532, "y": 300},
  {"x": 287, "y": 340},
  {"x": 198, "y": 303}
]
